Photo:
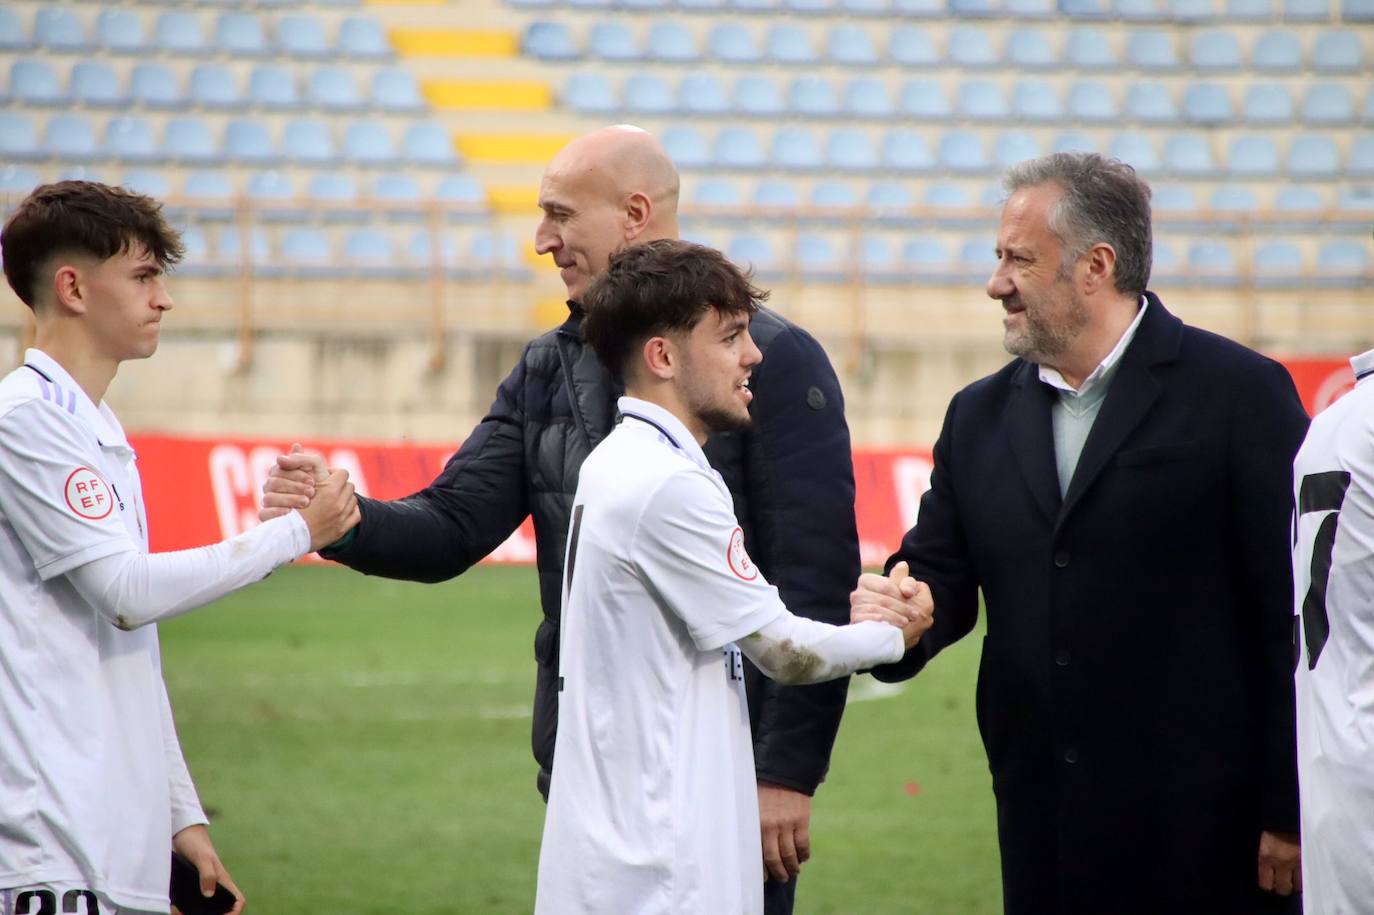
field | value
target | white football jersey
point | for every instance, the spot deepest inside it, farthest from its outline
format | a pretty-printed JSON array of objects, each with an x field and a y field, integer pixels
[
  {"x": 1333, "y": 574},
  {"x": 92, "y": 780},
  {"x": 653, "y": 805}
]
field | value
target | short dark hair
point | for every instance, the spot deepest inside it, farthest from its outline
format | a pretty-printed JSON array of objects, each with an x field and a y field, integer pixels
[
  {"x": 1103, "y": 201},
  {"x": 82, "y": 217},
  {"x": 658, "y": 288}
]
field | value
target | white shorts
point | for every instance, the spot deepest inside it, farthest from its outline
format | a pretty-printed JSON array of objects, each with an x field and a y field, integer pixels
[{"x": 60, "y": 899}]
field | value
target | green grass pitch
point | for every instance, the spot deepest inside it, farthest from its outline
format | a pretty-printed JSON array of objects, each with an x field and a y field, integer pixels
[{"x": 362, "y": 746}]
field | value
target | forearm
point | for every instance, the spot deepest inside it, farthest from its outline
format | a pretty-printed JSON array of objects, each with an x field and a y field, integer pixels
[
  {"x": 133, "y": 589},
  {"x": 186, "y": 809},
  {"x": 414, "y": 539},
  {"x": 795, "y": 650}
]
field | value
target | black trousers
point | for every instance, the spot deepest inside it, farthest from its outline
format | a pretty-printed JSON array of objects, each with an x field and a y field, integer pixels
[{"x": 779, "y": 897}]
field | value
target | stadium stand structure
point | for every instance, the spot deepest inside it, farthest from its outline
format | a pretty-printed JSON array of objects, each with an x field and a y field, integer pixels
[{"x": 355, "y": 157}]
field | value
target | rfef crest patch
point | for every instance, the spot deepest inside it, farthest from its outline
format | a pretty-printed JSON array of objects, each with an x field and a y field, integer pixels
[
  {"x": 740, "y": 563},
  {"x": 88, "y": 495}
]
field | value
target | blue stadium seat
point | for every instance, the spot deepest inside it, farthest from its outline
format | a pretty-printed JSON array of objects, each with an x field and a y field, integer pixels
[
  {"x": 795, "y": 149},
  {"x": 463, "y": 195},
  {"x": 1136, "y": 149},
  {"x": 187, "y": 140},
  {"x": 590, "y": 92},
  {"x": 929, "y": 9},
  {"x": 879, "y": 259},
  {"x": 1189, "y": 155},
  {"x": 702, "y": 92},
  {"x": 1030, "y": 49},
  {"x": 911, "y": 46},
  {"x": 17, "y": 180},
  {"x": 198, "y": 260},
  {"x": 1139, "y": 10},
  {"x": 81, "y": 173},
  {"x": 891, "y": 199},
  {"x": 739, "y": 147},
  {"x": 274, "y": 196},
  {"x": 686, "y": 146},
  {"x": 1307, "y": 10},
  {"x": 302, "y": 36},
  {"x": 1357, "y": 10},
  {"x": 865, "y": 7},
  {"x": 334, "y": 196},
  {"x": 59, "y": 29},
  {"x": 1367, "y": 114},
  {"x": 1253, "y": 156},
  {"x": 789, "y": 44},
  {"x": 850, "y": 46},
  {"x": 1360, "y": 163},
  {"x": 701, "y": 4},
  {"x": 848, "y": 149},
  {"x": 1088, "y": 48},
  {"x": 247, "y": 142},
  {"x": 671, "y": 41},
  {"x": 34, "y": 82},
  {"x": 977, "y": 259},
  {"x": 981, "y": 100},
  {"x": 905, "y": 150},
  {"x": 1192, "y": 10},
  {"x": 756, "y": 6},
  {"x": 548, "y": 40},
  {"x": 1277, "y": 52},
  {"x": 305, "y": 251},
  {"x": 273, "y": 87},
  {"x": 1313, "y": 156},
  {"x": 213, "y": 194},
  {"x": 214, "y": 86},
  {"x": 130, "y": 139},
  {"x": 254, "y": 251},
  {"x": 925, "y": 99},
  {"x": 927, "y": 259},
  {"x": 715, "y": 192},
  {"x": 14, "y": 36},
  {"x": 812, "y": 96},
  {"x": 754, "y": 251},
  {"x": 1029, "y": 9},
  {"x": 179, "y": 32},
  {"x": 429, "y": 143},
  {"x": 1085, "y": 9},
  {"x": 945, "y": 195},
  {"x": 589, "y": 4},
  {"x": 394, "y": 90},
  {"x": 334, "y": 89},
  {"x": 1343, "y": 261},
  {"x": 962, "y": 151},
  {"x": 363, "y": 38},
  {"x": 371, "y": 253},
  {"x": 400, "y": 196},
  {"x": 1151, "y": 49},
  {"x": 1234, "y": 198},
  {"x": 1150, "y": 103},
  {"x": 1337, "y": 52},
  {"x": 867, "y": 97},
  {"x": 833, "y": 195},
  {"x": 1091, "y": 101},
  {"x": 612, "y": 40},
  {"x": 1268, "y": 103},
  {"x": 970, "y": 46},
  {"x": 1015, "y": 146},
  {"x": 776, "y": 194},
  {"x": 1358, "y": 201},
  {"x": 732, "y": 43},
  {"x": 119, "y": 32},
  {"x": 1207, "y": 104},
  {"x": 1074, "y": 141},
  {"x": 70, "y": 138},
  {"x": 973, "y": 9},
  {"x": 240, "y": 34},
  {"x": 757, "y": 95},
  {"x": 1216, "y": 50},
  {"x": 1166, "y": 265},
  {"x": 644, "y": 4},
  {"x": 1298, "y": 199},
  {"x": 649, "y": 93},
  {"x": 149, "y": 182},
  {"x": 818, "y": 258},
  {"x": 308, "y": 141},
  {"x": 1173, "y": 198},
  {"x": 1327, "y": 104},
  {"x": 1035, "y": 100},
  {"x": 155, "y": 85},
  {"x": 1212, "y": 262},
  {"x": 1250, "y": 10},
  {"x": 1278, "y": 263}
]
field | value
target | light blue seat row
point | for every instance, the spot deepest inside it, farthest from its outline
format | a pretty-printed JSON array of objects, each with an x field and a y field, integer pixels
[
  {"x": 1183, "y": 11},
  {"x": 35, "y": 81}
]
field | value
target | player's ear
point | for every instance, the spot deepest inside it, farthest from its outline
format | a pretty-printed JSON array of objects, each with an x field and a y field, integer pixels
[
  {"x": 659, "y": 358},
  {"x": 67, "y": 289}
]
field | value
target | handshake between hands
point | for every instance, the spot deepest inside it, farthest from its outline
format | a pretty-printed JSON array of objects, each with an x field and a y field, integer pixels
[
  {"x": 897, "y": 599},
  {"x": 324, "y": 497}
]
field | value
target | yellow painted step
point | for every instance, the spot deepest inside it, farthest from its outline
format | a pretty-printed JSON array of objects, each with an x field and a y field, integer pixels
[
  {"x": 521, "y": 199},
  {"x": 512, "y": 148},
  {"x": 488, "y": 95},
  {"x": 454, "y": 43}
]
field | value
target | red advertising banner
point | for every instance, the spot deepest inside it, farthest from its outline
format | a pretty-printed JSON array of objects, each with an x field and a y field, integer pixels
[
  {"x": 200, "y": 491},
  {"x": 1320, "y": 381}
]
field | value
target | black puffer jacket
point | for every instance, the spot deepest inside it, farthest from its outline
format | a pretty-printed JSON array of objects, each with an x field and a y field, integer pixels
[{"x": 791, "y": 475}]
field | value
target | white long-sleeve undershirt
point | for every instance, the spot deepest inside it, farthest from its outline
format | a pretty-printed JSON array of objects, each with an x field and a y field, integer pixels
[
  {"x": 795, "y": 650},
  {"x": 134, "y": 589}
]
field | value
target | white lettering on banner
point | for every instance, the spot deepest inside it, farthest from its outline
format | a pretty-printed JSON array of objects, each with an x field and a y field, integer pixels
[
  {"x": 911, "y": 478},
  {"x": 237, "y": 475},
  {"x": 1333, "y": 386}
]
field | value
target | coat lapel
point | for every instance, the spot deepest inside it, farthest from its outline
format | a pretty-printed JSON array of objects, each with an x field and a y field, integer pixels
[
  {"x": 1031, "y": 436},
  {"x": 1133, "y": 391}
]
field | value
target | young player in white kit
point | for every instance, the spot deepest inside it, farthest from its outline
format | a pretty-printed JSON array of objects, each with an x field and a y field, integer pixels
[
  {"x": 94, "y": 793},
  {"x": 1333, "y": 577},
  {"x": 653, "y": 805}
]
